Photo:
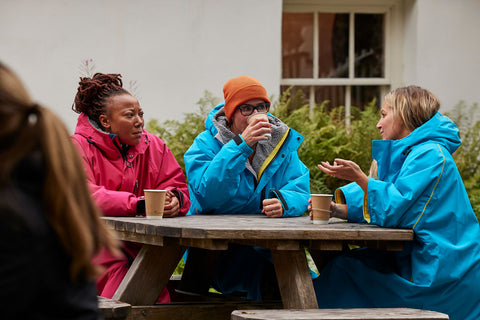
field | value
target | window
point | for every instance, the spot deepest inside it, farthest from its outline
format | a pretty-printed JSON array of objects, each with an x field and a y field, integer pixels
[{"x": 338, "y": 50}]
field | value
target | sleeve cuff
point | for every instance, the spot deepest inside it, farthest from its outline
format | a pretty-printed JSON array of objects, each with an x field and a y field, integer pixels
[{"x": 179, "y": 196}]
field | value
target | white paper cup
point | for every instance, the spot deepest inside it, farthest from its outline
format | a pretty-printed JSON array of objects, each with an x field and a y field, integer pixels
[{"x": 154, "y": 203}]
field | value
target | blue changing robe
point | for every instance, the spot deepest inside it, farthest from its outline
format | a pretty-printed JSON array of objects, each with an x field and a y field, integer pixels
[
  {"x": 418, "y": 188},
  {"x": 221, "y": 180}
]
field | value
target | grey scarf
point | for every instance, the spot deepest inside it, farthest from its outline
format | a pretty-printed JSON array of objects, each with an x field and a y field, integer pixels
[{"x": 262, "y": 151}]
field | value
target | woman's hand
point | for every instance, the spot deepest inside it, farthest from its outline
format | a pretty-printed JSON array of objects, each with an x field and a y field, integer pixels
[
  {"x": 256, "y": 131},
  {"x": 172, "y": 206},
  {"x": 336, "y": 210},
  {"x": 272, "y": 208},
  {"x": 345, "y": 169}
]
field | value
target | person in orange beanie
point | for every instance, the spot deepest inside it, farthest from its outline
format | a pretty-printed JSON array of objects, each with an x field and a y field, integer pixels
[{"x": 244, "y": 166}]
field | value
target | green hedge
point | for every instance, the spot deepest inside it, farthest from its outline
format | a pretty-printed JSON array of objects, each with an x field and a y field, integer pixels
[{"x": 327, "y": 137}]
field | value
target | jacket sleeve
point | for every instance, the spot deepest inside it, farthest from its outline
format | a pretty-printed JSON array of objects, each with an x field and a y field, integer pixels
[
  {"x": 295, "y": 192},
  {"x": 213, "y": 170},
  {"x": 110, "y": 202},
  {"x": 171, "y": 177},
  {"x": 351, "y": 195},
  {"x": 402, "y": 202}
]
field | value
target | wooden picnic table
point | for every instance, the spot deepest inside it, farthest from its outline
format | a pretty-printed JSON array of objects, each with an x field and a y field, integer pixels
[{"x": 165, "y": 241}]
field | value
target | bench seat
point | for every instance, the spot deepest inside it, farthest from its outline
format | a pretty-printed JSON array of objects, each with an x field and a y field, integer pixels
[
  {"x": 112, "y": 309},
  {"x": 339, "y": 314}
]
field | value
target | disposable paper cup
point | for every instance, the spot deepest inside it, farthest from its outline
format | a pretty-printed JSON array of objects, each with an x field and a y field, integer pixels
[
  {"x": 321, "y": 207},
  {"x": 154, "y": 203},
  {"x": 320, "y": 216},
  {"x": 261, "y": 115}
]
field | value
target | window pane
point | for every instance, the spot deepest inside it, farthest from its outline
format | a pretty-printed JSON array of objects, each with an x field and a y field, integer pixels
[
  {"x": 363, "y": 95},
  {"x": 333, "y": 45},
  {"x": 297, "y": 45},
  {"x": 369, "y": 45},
  {"x": 335, "y": 94}
]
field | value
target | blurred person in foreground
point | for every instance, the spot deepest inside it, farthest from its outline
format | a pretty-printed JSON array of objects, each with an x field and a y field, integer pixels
[
  {"x": 121, "y": 160},
  {"x": 417, "y": 186},
  {"x": 233, "y": 168},
  {"x": 50, "y": 227}
]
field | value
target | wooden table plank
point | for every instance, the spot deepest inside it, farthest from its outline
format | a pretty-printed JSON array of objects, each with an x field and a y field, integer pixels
[
  {"x": 256, "y": 227},
  {"x": 339, "y": 314}
]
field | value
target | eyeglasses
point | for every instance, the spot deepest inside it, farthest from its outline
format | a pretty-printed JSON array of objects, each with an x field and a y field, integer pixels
[{"x": 247, "y": 109}]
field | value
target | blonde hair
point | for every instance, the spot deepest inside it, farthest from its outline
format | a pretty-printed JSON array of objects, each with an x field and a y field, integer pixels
[
  {"x": 413, "y": 105},
  {"x": 68, "y": 206}
]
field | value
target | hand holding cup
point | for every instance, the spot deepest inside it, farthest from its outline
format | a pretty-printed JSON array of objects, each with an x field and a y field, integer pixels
[
  {"x": 257, "y": 117},
  {"x": 154, "y": 203}
]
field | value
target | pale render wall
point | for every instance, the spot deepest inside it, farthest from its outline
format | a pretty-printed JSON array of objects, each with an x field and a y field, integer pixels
[
  {"x": 442, "y": 49},
  {"x": 173, "y": 49},
  {"x": 176, "y": 49}
]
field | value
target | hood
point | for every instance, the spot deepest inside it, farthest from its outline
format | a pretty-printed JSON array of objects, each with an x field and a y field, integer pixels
[
  {"x": 209, "y": 126},
  {"x": 390, "y": 154},
  {"x": 109, "y": 144},
  {"x": 217, "y": 125}
]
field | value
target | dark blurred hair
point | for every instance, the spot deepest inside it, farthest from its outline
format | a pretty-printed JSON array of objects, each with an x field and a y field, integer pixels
[
  {"x": 26, "y": 127},
  {"x": 92, "y": 94}
]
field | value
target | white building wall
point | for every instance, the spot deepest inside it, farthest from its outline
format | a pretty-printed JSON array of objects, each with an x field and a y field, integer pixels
[
  {"x": 442, "y": 49},
  {"x": 176, "y": 49},
  {"x": 173, "y": 49}
]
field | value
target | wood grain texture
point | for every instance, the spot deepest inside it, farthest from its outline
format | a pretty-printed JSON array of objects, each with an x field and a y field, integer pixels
[
  {"x": 339, "y": 314},
  {"x": 149, "y": 274},
  {"x": 112, "y": 309},
  {"x": 166, "y": 239},
  {"x": 195, "y": 311},
  {"x": 294, "y": 280},
  {"x": 254, "y": 227}
]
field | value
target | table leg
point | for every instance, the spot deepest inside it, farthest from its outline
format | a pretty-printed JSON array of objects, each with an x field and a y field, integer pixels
[
  {"x": 294, "y": 279},
  {"x": 149, "y": 274}
]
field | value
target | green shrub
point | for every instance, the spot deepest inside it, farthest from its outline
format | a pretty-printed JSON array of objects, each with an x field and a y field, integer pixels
[
  {"x": 467, "y": 157},
  {"x": 326, "y": 135}
]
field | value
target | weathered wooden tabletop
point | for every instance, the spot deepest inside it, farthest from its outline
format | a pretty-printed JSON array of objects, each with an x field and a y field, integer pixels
[
  {"x": 248, "y": 228},
  {"x": 167, "y": 239},
  {"x": 339, "y": 314}
]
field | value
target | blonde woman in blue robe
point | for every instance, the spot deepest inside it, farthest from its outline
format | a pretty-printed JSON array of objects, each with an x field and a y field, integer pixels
[{"x": 418, "y": 187}]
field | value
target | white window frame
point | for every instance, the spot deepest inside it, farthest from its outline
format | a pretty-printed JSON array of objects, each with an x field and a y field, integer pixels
[{"x": 393, "y": 45}]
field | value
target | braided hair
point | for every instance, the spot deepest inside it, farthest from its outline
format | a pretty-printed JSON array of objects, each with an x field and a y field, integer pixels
[{"x": 92, "y": 94}]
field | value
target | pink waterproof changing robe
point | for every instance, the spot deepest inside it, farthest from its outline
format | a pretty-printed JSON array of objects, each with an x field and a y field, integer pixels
[{"x": 117, "y": 178}]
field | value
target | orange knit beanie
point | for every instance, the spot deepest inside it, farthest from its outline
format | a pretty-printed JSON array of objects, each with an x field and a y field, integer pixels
[{"x": 242, "y": 89}]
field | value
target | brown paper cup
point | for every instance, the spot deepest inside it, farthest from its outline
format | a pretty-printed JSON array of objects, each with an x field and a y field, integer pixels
[
  {"x": 261, "y": 115},
  {"x": 154, "y": 203},
  {"x": 321, "y": 208},
  {"x": 320, "y": 216}
]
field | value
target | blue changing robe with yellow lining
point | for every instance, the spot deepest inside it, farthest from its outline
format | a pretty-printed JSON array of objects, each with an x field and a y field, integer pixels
[{"x": 419, "y": 188}]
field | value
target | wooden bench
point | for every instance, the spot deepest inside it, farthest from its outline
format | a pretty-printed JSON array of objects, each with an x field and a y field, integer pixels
[
  {"x": 339, "y": 314},
  {"x": 207, "y": 310},
  {"x": 187, "y": 306},
  {"x": 112, "y": 309}
]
